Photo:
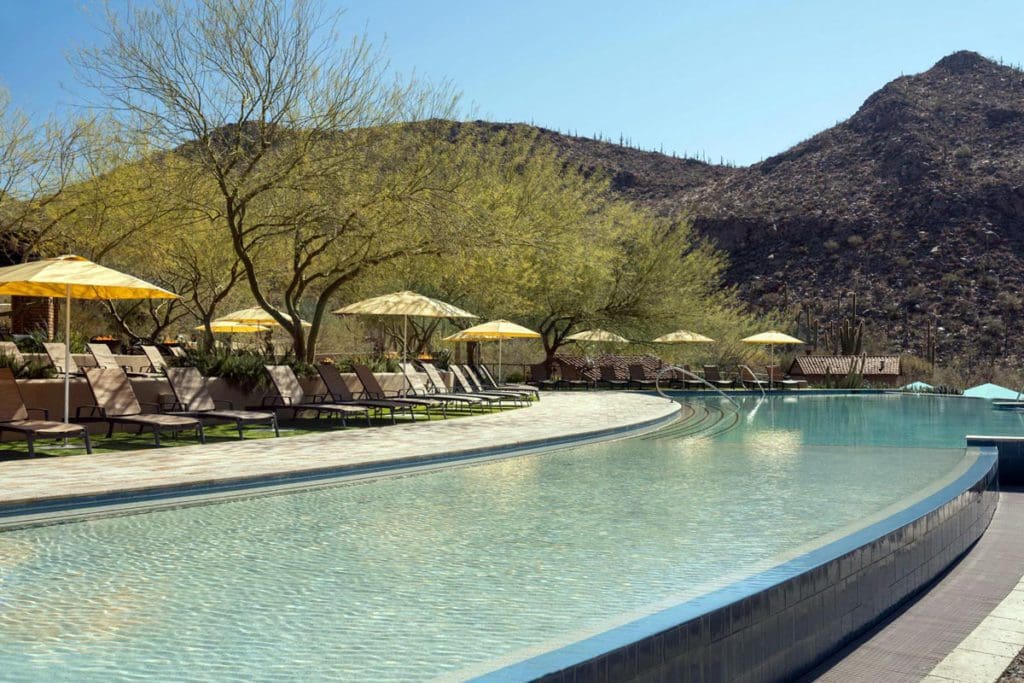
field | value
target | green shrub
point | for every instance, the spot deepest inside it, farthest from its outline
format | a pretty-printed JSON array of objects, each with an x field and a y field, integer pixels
[
  {"x": 375, "y": 363},
  {"x": 242, "y": 368},
  {"x": 27, "y": 369}
]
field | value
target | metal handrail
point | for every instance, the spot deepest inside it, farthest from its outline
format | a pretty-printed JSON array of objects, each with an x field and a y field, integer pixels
[
  {"x": 657, "y": 383},
  {"x": 754, "y": 375}
]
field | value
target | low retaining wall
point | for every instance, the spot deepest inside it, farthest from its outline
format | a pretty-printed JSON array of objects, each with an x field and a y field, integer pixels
[
  {"x": 777, "y": 625},
  {"x": 1011, "y": 456}
]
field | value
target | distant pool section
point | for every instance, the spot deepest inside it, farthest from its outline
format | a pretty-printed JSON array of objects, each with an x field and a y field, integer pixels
[{"x": 740, "y": 543}]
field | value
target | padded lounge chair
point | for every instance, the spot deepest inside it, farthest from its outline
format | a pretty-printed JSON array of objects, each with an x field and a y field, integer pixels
[
  {"x": 291, "y": 396},
  {"x": 157, "y": 364},
  {"x": 194, "y": 400},
  {"x": 749, "y": 379},
  {"x": 572, "y": 378},
  {"x": 339, "y": 392},
  {"x": 478, "y": 385},
  {"x": 14, "y": 417},
  {"x": 56, "y": 351},
  {"x": 462, "y": 383},
  {"x": 105, "y": 358},
  {"x": 373, "y": 390},
  {"x": 489, "y": 383},
  {"x": 116, "y": 403},
  {"x": 611, "y": 379},
  {"x": 638, "y": 377},
  {"x": 438, "y": 381},
  {"x": 779, "y": 379},
  {"x": 421, "y": 390},
  {"x": 540, "y": 378},
  {"x": 11, "y": 350},
  {"x": 711, "y": 375}
]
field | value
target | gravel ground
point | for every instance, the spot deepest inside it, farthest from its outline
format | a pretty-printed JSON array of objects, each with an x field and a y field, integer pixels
[{"x": 1015, "y": 672}]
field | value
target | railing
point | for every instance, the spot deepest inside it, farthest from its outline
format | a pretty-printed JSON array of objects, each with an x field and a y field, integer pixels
[
  {"x": 676, "y": 368},
  {"x": 754, "y": 376}
]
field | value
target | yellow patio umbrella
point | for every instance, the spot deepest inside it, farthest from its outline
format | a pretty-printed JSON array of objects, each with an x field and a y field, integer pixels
[
  {"x": 404, "y": 303},
  {"x": 229, "y": 327},
  {"x": 73, "y": 277},
  {"x": 495, "y": 330},
  {"x": 597, "y": 336},
  {"x": 255, "y": 316},
  {"x": 683, "y": 337},
  {"x": 772, "y": 337}
]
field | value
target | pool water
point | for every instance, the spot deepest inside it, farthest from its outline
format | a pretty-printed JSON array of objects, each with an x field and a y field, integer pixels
[{"x": 423, "y": 575}]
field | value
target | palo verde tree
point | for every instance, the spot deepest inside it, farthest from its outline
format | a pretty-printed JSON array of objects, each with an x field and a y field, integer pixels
[{"x": 279, "y": 117}]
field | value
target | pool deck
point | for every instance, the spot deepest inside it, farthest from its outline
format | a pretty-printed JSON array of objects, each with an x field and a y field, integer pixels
[
  {"x": 967, "y": 628},
  {"x": 65, "y": 482}
]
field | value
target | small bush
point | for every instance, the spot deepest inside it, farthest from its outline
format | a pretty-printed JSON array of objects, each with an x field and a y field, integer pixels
[
  {"x": 831, "y": 246},
  {"x": 854, "y": 241},
  {"x": 27, "y": 369},
  {"x": 243, "y": 368}
]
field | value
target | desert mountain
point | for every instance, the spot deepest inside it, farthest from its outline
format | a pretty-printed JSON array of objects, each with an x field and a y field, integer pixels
[{"x": 916, "y": 203}]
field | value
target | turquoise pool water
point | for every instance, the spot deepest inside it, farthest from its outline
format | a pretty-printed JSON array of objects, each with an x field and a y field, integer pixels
[{"x": 438, "y": 573}]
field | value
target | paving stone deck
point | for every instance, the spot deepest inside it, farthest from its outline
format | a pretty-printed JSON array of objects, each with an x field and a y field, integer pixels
[
  {"x": 968, "y": 627},
  {"x": 558, "y": 416}
]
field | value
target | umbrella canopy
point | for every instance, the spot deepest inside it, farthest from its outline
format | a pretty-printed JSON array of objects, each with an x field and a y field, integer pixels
[
  {"x": 991, "y": 391},
  {"x": 683, "y": 337},
  {"x": 77, "y": 278},
  {"x": 230, "y": 327},
  {"x": 495, "y": 330},
  {"x": 73, "y": 277},
  {"x": 404, "y": 304},
  {"x": 597, "y": 336},
  {"x": 772, "y": 337},
  {"x": 254, "y": 316}
]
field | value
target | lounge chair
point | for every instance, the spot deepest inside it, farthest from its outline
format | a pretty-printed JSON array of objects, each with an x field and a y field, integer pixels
[
  {"x": 487, "y": 380},
  {"x": 478, "y": 385},
  {"x": 57, "y": 352},
  {"x": 373, "y": 390},
  {"x": 463, "y": 384},
  {"x": 688, "y": 381},
  {"x": 194, "y": 400},
  {"x": 779, "y": 379},
  {"x": 610, "y": 378},
  {"x": 540, "y": 378},
  {"x": 339, "y": 392},
  {"x": 749, "y": 379},
  {"x": 421, "y": 390},
  {"x": 638, "y": 377},
  {"x": 157, "y": 364},
  {"x": 14, "y": 417},
  {"x": 116, "y": 403},
  {"x": 11, "y": 350},
  {"x": 572, "y": 378},
  {"x": 291, "y": 396},
  {"x": 177, "y": 352},
  {"x": 105, "y": 358},
  {"x": 712, "y": 376}
]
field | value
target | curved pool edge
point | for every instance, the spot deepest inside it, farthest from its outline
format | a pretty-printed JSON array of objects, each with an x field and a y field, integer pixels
[
  {"x": 70, "y": 508},
  {"x": 780, "y": 623}
]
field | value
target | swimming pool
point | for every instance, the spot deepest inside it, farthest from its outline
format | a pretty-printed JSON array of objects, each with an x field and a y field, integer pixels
[{"x": 457, "y": 570}]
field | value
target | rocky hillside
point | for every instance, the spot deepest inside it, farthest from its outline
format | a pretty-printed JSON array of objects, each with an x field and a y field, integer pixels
[{"x": 916, "y": 203}]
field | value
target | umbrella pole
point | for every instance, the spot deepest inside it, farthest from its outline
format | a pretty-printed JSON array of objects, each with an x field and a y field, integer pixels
[
  {"x": 771, "y": 370},
  {"x": 500, "y": 376},
  {"x": 405, "y": 343},
  {"x": 67, "y": 354}
]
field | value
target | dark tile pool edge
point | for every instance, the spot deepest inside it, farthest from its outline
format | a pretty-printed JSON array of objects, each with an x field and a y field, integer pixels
[
  {"x": 780, "y": 623},
  {"x": 60, "y": 509}
]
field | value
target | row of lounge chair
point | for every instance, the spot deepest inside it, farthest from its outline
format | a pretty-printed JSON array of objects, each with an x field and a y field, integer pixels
[
  {"x": 116, "y": 403},
  {"x": 572, "y": 378}
]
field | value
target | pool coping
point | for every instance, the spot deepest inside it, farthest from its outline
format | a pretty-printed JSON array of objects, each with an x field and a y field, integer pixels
[
  {"x": 562, "y": 662},
  {"x": 59, "y": 508}
]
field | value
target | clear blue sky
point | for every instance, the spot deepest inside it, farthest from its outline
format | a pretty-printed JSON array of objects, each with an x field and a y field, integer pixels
[{"x": 736, "y": 79}]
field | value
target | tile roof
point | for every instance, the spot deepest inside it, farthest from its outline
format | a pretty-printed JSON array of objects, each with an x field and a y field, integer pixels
[{"x": 840, "y": 365}]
